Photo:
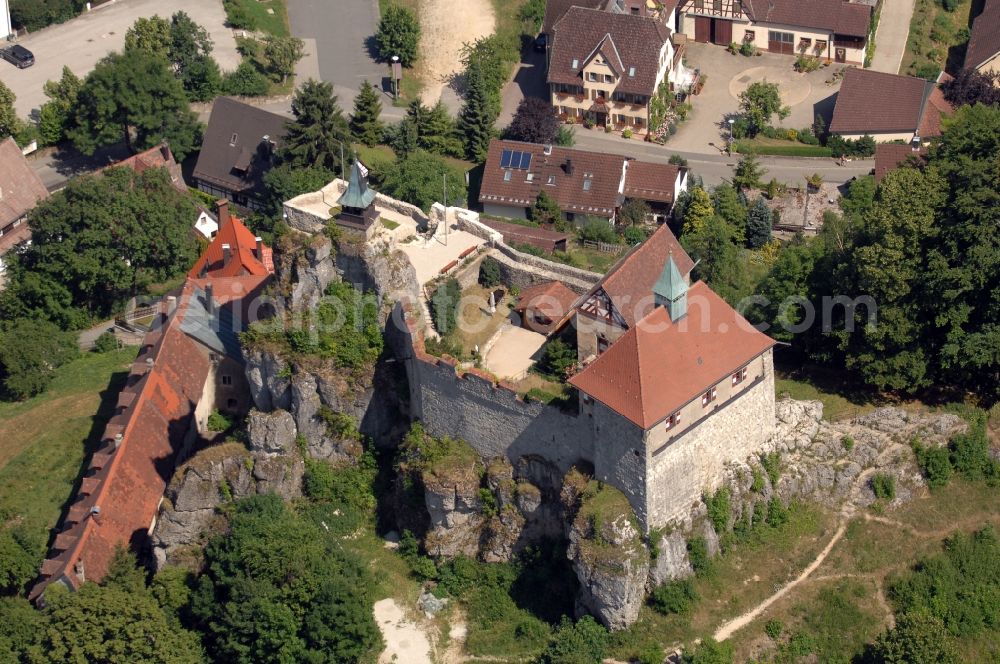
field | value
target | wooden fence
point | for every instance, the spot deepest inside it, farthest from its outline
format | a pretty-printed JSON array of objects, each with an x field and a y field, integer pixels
[{"x": 604, "y": 247}]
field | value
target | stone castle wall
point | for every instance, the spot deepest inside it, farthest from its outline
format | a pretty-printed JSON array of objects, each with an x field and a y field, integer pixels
[{"x": 677, "y": 476}]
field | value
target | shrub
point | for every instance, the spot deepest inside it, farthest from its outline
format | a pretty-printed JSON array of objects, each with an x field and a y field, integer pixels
[
  {"x": 598, "y": 230},
  {"x": 757, "y": 486},
  {"x": 581, "y": 643},
  {"x": 489, "y": 272},
  {"x": 218, "y": 422},
  {"x": 627, "y": 132},
  {"x": 970, "y": 451},
  {"x": 245, "y": 81},
  {"x": 652, "y": 654},
  {"x": 558, "y": 359},
  {"x": 635, "y": 234},
  {"x": 777, "y": 513},
  {"x": 239, "y": 16},
  {"x": 697, "y": 549},
  {"x": 807, "y": 63},
  {"x": 884, "y": 486},
  {"x": 710, "y": 652},
  {"x": 674, "y": 597},
  {"x": 719, "y": 508},
  {"x": 747, "y": 49},
  {"x": 934, "y": 463},
  {"x": 772, "y": 465},
  {"x": 444, "y": 305},
  {"x": 442, "y": 346},
  {"x": 773, "y": 628},
  {"x": 847, "y": 442},
  {"x": 106, "y": 342}
]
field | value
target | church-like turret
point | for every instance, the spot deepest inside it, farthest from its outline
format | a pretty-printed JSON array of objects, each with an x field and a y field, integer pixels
[{"x": 671, "y": 290}]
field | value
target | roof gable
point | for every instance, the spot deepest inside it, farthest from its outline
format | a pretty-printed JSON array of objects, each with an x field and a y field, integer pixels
[
  {"x": 242, "y": 248},
  {"x": 637, "y": 41},
  {"x": 876, "y": 102},
  {"x": 658, "y": 366},
  {"x": 20, "y": 187}
]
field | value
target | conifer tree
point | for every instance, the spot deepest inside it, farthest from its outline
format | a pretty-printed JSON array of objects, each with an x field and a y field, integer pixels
[
  {"x": 320, "y": 134},
  {"x": 476, "y": 120},
  {"x": 759, "y": 220},
  {"x": 366, "y": 124},
  {"x": 438, "y": 135}
]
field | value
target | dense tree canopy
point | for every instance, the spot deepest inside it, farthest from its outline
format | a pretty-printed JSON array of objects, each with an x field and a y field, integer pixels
[
  {"x": 275, "y": 590},
  {"x": 925, "y": 246},
  {"x": 99, "y": 241},
  {"x": 134, "y": 98},
  {"x": 56, "y": 115},
  {"x": 420, "y": 178},
  {"x": 9, "y": 122},
  {"x": 759, "y": 103},
  {"x": 30, "y": 352},
  {"x": 366, "y": 124}
]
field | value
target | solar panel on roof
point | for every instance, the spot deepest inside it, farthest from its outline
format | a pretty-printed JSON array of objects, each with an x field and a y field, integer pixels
[
  {"x": 505, "y": 159},
  {"x": 525, "y": 160}
]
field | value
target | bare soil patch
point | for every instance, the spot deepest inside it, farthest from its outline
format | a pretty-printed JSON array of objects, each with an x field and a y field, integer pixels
[{"x": 445, "y": 25}]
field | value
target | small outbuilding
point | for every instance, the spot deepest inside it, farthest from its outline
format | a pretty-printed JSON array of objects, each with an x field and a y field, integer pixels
[{"x": 542, "y": 307}]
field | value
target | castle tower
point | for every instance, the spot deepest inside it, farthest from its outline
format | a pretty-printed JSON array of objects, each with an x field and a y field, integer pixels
[
  {"x": 671, "y": 290},
  {"x": 358, "y": 202}
]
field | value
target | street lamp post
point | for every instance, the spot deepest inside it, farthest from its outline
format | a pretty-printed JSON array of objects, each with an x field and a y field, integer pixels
[
  {"x": 397, "y": 73},
  {"x": 729, "y": 146}
]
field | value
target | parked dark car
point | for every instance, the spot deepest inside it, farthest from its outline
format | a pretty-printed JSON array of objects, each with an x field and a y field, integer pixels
[
  {"x": 18, "y": 56},
  {"x": 540, "y": 42}
]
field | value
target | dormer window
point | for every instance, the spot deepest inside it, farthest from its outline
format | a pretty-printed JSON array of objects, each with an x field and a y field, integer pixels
[{"x": 576, "y": 63}]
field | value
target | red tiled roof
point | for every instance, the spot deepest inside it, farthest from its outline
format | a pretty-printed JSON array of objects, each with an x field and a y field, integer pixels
[
  {"x": 837, "y": 16},
  {"x": 636, "y": 40},
  {"x": 242, "y": 247},
  {"x": 553, "y": 299},
  {"x": 604, "y": 171},
  {"x": 658, "y": 366},
  {"x": 984, "y": 42},
  {"x": 876, "y": 102},
  {"x": 650, "y": 182},
  {"x": 20, "y": 187},
  {"x": 118, "y": 501},
  {"x": 935, "y": 107},
  {"x": 159, "y": 156},
  {"x": 556, "y": 9},
  {"x": 889, "y": 156},
  {"x": 630, "y": 282}
]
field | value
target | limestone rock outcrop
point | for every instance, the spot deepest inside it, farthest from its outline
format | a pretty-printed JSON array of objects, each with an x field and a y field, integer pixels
[
  {"x": 671, "y": 562},
  {"x": 609, "y": 557}
]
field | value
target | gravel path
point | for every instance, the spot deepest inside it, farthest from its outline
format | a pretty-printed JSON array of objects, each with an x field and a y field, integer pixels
[{"x": 445, "y": 26}]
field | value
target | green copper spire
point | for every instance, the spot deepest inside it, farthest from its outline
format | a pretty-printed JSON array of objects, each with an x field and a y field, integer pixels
[
  {"x": 358, "y": 195},
  {"x": 671, "y": 290}
]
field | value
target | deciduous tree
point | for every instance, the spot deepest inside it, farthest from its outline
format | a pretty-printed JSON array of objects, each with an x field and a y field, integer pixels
[
  {"x": 150, "y": 34},
  {"x": 535, "y": 122},
  {"x": 398, "y": 34},
  {"x": 760, "y": 102},
  {"x": 282, "y": 53},
  {"x": 136, "y": 99},
  {"x": 419, "y": 178},
  {"x": 55, "y": 115},
  {"x": 31, "y": 352},
  {"x": 9, "y": 122}
]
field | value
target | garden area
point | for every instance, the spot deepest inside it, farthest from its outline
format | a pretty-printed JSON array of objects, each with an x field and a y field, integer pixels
[{"x": 939, "y": 31}]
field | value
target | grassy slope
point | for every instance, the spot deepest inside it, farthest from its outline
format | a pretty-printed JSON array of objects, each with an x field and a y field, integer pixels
[{"x": 43, "y": 441}]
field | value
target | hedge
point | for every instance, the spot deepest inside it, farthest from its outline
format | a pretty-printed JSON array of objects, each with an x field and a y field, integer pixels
[{"x": 791, "y": 150}]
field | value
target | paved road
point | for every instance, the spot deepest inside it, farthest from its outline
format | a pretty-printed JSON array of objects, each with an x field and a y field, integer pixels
[
  {"x": 890, "y": 38},
  {"x": 343, "y": 31},
  {"x": 56, "y": 167},
  {"x": 80, "y": 43},
  {"x": 529, "y": 81},
  {"x": 715, "y": 168}
]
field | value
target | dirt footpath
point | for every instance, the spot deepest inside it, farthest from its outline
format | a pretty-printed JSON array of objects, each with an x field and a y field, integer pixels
[
  {"x": 405, "y": 641},
  {"x": 445, "y": 25}
]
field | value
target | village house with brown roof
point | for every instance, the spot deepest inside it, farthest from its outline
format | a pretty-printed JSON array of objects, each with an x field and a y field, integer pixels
[
  {"x": 189, "y": 364},
  {"x": 890, "y": 156},
  {"x": 237, "y": 151},
  {"x": 834, "y": 30},
  {"x": 888, "y": 107},
  {"x": 159, "y": 156},
  {"x": 605, "y": 67},
  {"x": 983, "y": 50},
  {"x": 584, "y": 184},
  {"x": 542, "y": 307},
  {"x": 20, "y": 190}
]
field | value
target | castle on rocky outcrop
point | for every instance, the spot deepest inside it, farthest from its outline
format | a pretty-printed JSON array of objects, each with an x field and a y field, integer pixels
[{"x": 190, "y": 363}]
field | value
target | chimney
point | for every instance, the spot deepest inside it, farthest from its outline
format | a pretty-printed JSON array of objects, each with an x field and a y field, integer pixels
[
  {"x": 149, "y": 364},
  {"x": 118, "y": 440},
  {"x": 78, "y": 571},
  {"x": 171, "y": 304},
  {"x": 259, "y": 253},
  {"x": 222, "y": 205},
  {"x": 569, "y": 166},
  {"x": 227, "y": 254},
  {"x": 209, "y": 300}
]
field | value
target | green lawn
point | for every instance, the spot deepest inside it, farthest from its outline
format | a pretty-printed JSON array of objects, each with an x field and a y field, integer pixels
[
  {"x": 271, "y": 16},
  {"x": 837, "y": 404},
  {"x": 43, "y": 441},
  {"x": 778, "y": 147}
]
